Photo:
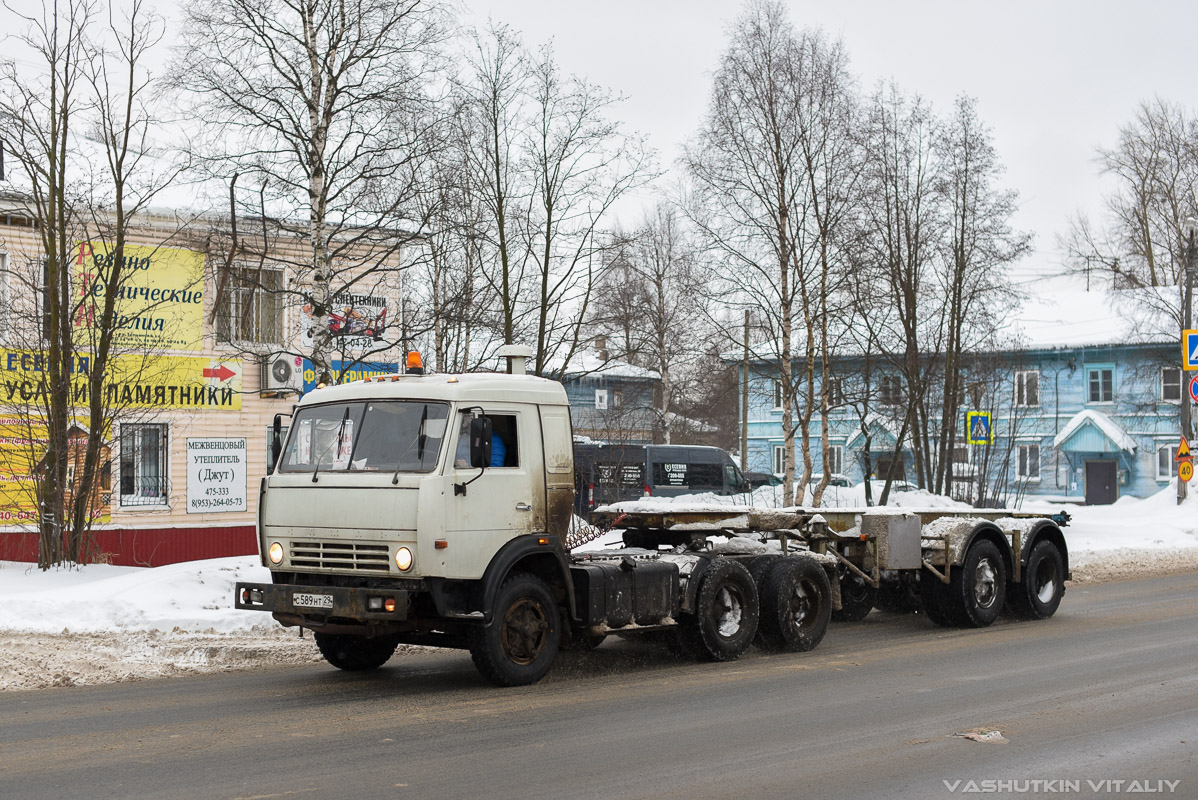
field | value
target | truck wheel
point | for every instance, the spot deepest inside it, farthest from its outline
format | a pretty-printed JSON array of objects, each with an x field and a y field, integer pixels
[
  {"x": 979, "y": 587},
  {"x": 727, "y": 610},
  {"x": 796, "y": 606},
  {"x": 1043, "y": 583},
  {"x": 933, "y": 598},
  {"x": 521, "y": 642},
  {"x": 354, "y": 653},
  {"x": 856, "y": 597}
]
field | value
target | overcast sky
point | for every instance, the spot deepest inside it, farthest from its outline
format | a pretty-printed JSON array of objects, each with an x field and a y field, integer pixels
[{"x": 1053, "y": 79}]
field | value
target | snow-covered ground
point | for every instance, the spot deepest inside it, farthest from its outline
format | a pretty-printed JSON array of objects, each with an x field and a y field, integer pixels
[{"x": 100, "y": 623}]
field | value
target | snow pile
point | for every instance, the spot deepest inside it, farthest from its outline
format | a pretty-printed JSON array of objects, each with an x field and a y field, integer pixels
[{"x": 192, "y": 596}]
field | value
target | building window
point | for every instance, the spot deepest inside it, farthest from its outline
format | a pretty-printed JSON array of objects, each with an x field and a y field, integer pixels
[
  {"x": 144, "y": 477},
  {"x": 779, "y": 459},
  {"x": 1027, "y": 388},
  {"x": 835, "y": 392},
  {"x": 1171, "y": 384},
  {"x": 617, "y": 398},
  {"x": 891, "y": 393},
  {"x": 601, "y": 399},
  {"x": 1102, "y": 385},
  {"x": 251, "y": 307},
  {"x": 777, "y": 395},
  {"x": 835, "y": 465},
  {"x": 1028, "y": 467},
  {"x": 1164, "y": 462}
]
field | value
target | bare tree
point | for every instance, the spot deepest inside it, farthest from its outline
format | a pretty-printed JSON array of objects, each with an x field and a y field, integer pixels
[
  {"x": 323, "y": 109},
  {"x": 79, "y": 126},
  {"x": 768, "y": 171},
  {"x": 652, "y": 299},
  {"x": 547, "y": 165}
]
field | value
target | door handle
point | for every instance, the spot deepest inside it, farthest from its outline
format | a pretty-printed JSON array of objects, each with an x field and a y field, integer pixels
[{"x": 523, "y": 507}]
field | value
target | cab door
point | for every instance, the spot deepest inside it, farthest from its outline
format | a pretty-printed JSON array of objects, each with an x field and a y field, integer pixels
[{"x": 501, "y": 503}]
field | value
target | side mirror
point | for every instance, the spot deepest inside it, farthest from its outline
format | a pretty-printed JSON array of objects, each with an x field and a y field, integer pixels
[
  {"x": 480, "y": 442},
  {"x": 276, "y": 443}
]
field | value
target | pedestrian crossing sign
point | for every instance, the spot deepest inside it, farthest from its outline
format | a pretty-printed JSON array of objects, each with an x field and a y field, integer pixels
[
  {"x": 978, "y": 427},
  {"x": 1189, "y": 349}
]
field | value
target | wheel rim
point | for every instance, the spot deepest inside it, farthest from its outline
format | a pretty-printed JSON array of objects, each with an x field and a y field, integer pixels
[
  {"x": 525, "y": 629},
  {"x": 803, "y": 602},
  {"x": 729, "y": 611},
  {"x": 985, "y": 584},
  {"x": 855, "y": 590},
  {"x": 1046, "y": 581}
]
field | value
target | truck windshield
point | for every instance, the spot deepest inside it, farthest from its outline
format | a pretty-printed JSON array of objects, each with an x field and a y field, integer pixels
[{"x": 382, "y": 436}]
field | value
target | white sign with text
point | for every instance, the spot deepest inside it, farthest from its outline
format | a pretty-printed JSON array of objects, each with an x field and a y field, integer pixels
[{"x": 216, "y": 475}]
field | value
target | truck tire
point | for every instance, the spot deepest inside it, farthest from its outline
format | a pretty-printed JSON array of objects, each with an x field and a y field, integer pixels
[
  {"x": 797, "y": 605},
  {"x": 933, "y": 598},
  {"x": 760, "y": 567},
  {"x": 856, "y": 597},
  {"x": 519, "y": 645},
  {"x": 355, "y": 653},
  {"x": 727, "y": 610},
  {"x": 1043, "y": 583},
  {"x": 978, "y": 588},
  {"x": 897, "y": 597}
]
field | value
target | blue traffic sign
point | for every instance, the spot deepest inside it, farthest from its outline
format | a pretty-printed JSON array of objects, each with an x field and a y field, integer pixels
[
  {"x": 978, "y": 427},
  {"x": 1189, "y": 349},
  {"x": 1194, "y": 388}
]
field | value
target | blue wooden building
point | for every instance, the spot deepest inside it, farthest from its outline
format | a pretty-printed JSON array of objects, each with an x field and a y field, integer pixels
[
  {"x": 611, "y": 400},
  {"x": 1083, "y": 406}
]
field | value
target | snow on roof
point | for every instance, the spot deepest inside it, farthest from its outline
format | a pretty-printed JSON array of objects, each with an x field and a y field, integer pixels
[
  {"x": 1110, "y": 429},
  {"x": 1063, "y": 313},
  {"x": 874, "y": 420},
  {"x": 589, "y": 363}
]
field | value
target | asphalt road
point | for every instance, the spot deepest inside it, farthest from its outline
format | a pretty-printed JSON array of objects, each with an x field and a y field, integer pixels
[{"x": 1105, "y": 692}]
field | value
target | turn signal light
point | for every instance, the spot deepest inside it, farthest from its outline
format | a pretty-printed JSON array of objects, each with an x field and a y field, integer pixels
[
  {"x": 542, "y": 540},
  {"x": 389, "y": 604},
  {"x": 441, "y": 544}
]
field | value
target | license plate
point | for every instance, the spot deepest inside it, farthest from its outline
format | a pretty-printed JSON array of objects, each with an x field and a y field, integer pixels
[{"x": 304, "y": 600}]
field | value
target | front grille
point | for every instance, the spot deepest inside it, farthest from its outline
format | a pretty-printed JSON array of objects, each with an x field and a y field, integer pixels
[{"x": 353, "y": 556}]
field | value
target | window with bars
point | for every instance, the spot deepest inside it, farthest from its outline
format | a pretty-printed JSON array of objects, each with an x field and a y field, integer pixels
[
  {"x": 251, "y": 306},
  {"x": 144, "y": 477},
  {"x": 1027, "y": 388}
]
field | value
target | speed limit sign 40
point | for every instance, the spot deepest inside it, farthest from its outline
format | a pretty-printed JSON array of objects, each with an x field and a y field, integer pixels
[{"x": 1185, "y": 470}]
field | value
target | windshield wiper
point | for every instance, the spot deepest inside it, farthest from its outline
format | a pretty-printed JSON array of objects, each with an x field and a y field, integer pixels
[
  {"x": 337, "y": 452},
  {"x": 421, "y": 437}
]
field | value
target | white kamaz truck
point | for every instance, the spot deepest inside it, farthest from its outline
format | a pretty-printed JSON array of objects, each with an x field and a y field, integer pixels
[{"x": 436, "y": 510}]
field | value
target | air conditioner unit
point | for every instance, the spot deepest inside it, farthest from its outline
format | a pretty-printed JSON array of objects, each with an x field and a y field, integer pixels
[{"x": 282, "y": 373}]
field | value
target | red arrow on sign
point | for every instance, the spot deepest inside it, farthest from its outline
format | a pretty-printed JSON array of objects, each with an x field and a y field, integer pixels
[{"x": 221, "y": 373}]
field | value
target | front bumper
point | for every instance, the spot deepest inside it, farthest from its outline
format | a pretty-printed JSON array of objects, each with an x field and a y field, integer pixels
[{"x": 319, "y": 604}]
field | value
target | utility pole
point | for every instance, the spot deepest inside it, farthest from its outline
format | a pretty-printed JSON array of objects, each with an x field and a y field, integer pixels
[
  {"x": 1186, "y": 303},
  {"x": 744, "y": 403}
]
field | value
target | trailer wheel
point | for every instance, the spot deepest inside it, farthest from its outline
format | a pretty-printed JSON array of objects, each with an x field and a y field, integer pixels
[
  {"x": 856, "y": 597},
  {"x": 797, "y": 605},
  {"x": 934, "y": 599},
  {"x": 978, "y": 588},
  {"x": 1043, "y": 583},
  {"x": 760, "y": 567},
  {"x": 727, "y": 610},
  {"x": 522, "y": 640},
  {"x": 355, "y": 653}
]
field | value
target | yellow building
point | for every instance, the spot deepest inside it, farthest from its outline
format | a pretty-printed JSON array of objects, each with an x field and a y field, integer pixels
[{"x": 206, "y": 357}]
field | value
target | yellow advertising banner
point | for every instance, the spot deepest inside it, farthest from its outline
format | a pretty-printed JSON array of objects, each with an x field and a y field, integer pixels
[
  {"x": 160, "y": 305},
  {"x": 22, "y": 453},
  {"x": 131, "y": 381}
]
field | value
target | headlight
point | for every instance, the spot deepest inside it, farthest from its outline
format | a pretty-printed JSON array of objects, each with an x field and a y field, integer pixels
[
  {"x": 275, "y": 553},
  {"x": 403, "y": 559}
]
